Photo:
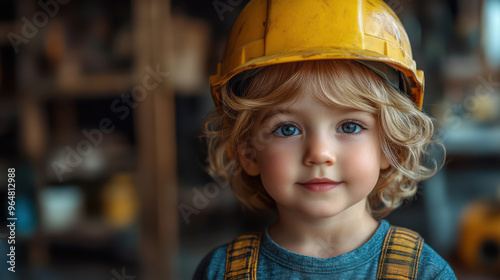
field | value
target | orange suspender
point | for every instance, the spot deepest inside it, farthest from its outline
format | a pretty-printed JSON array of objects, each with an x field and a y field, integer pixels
[
  {"x": 399, "y": 258},
  {"x": 241, "y": 258},
  {"x": 400, "y": 254}
]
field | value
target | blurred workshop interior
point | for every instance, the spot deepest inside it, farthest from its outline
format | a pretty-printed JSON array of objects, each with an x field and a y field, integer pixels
[{"x": 102, "y": 105}]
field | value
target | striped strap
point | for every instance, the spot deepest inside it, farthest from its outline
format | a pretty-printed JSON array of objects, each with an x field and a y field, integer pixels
[
  {"x": 400, "y": 254},
  {"x": 241, "y": 258}
]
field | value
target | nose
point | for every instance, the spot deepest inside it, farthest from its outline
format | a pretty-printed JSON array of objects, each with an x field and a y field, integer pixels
[{"x": 318, "y": 151}]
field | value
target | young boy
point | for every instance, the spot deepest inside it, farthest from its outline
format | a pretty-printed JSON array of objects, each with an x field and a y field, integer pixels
[{"x": 318, "y": 116}]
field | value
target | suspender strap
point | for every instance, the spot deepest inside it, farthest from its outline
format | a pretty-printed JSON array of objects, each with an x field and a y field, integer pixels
[
  {"x": 241, "y": 258},
  {"x": 399, "y": 258},
  {"x": 400, "y": 254}
]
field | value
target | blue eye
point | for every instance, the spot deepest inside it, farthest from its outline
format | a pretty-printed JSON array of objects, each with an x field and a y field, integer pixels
[
  {"x": 349, "y": 127},
  {"x": 287, "y": 130}
]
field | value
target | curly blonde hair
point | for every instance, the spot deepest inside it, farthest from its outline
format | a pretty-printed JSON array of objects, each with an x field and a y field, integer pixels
[{"x": 405, "y": 131}]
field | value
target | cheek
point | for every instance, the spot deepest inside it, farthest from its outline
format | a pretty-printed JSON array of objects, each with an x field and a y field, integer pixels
[
  {"x": 277, "y": 164},
  {"x": 363, "y": 165}
]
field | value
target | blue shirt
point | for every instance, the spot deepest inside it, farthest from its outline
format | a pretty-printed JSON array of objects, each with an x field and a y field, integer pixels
[{"x": 275, "y": 262}]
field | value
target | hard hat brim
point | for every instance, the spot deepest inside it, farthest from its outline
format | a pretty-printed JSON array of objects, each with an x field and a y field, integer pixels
[{"x": 216, "y": 81}]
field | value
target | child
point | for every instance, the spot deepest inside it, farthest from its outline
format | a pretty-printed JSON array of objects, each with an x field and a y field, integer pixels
[{"x": 318, "y": 116}]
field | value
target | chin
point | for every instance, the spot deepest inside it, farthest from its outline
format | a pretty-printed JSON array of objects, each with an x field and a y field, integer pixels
[{"x": 321, "y": 212}]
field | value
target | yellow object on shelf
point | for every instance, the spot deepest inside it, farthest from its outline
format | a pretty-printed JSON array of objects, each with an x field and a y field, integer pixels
[
  {"x": 120, "y": 201},
  {"x": 479, "y": 243}
]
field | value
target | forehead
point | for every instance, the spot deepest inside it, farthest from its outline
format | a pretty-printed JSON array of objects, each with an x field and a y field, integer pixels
[
  {"x": 335, "y": 84},
  {"x": 338, "y": 95},
  {"x": 304, "y": 103}
]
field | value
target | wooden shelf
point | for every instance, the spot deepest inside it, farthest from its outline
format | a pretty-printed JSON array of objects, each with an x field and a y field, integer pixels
[
  {"x": 8, "y": 107},
  {"x": 5, "y": 29},
  {"x": 473, "y": 140},
  {"x": 88, "y": 86},
  {"x": 88, "y": 232}
]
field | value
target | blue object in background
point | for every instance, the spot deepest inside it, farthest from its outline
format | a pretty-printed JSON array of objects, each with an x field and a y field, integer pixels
[
  {"x": 60, "y": 207},
  {"x": 26, "y": 216},
  {"x": 491, "y": 25}
]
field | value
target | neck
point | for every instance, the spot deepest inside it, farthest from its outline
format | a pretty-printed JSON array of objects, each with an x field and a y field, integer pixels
[{"x": 323, "y": 237}]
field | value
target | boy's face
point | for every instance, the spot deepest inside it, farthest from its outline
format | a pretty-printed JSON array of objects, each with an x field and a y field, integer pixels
[{"x": 315, "y": 160}]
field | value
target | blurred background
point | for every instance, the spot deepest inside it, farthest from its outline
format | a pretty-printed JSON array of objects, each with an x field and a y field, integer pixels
[{"x": 101, "y": 109}]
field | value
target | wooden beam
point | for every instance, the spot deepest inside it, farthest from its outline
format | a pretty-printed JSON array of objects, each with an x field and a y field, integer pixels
[{"x": 155, "y": 120}]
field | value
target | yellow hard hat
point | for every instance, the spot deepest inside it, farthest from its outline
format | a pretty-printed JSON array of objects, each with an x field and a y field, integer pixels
[{"x": 270, "y": 32}]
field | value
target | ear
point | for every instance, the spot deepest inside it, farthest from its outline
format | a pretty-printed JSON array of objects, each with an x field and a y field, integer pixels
[
  {"x": 247, "y": 159},
  {"x": 384, "y": 162}
]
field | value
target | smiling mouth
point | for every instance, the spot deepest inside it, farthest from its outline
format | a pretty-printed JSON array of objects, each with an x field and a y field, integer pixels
[{"x": 320, "y": 185}]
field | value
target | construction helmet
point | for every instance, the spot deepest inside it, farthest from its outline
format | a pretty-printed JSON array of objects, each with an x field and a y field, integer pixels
[{"x": 270, "y": 32}]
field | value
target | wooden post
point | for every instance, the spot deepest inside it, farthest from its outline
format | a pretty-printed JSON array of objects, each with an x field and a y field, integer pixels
[{"x": 155, "y": 122}]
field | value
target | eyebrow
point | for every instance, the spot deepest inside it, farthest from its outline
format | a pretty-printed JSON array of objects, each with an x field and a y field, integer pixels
[{"x": 275, "y": 112}]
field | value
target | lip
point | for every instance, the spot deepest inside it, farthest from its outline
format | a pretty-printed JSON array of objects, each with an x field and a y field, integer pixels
[{"x": 320, "y": 184}]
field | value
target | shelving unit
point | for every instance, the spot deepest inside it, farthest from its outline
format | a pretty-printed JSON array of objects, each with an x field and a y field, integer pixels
[
  {"x": 470, "y": 130},
  {"x": 53, "y": 94}
]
